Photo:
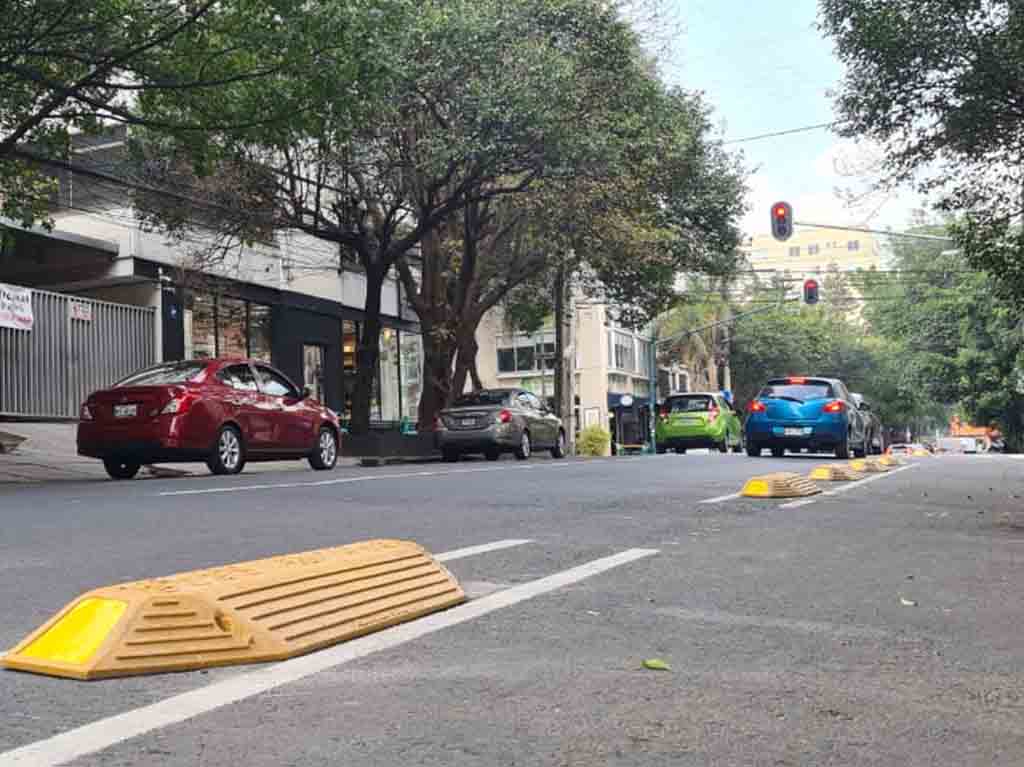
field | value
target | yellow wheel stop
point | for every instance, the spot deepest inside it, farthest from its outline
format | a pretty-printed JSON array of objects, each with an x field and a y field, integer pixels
[
  {"x": 250, "y": 612},
  {"x": 779, "y": 485}
]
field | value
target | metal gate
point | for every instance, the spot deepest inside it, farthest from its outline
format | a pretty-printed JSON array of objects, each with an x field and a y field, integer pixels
[{"x": 75, "y": 347}]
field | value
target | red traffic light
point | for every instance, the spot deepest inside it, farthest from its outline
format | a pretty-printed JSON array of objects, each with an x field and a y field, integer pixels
[
  {"x": 782, "y": 221},
  {"x": 810, "y": 291}
]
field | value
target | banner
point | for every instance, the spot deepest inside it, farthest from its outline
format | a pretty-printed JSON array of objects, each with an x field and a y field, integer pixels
[{"x": 15, "y": 307}]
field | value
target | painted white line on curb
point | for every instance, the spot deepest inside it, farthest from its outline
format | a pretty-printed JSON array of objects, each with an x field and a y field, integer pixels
[
  {"x": 850, "y": 486},
  {"x": 365, "y": 478},
  {"x": 108, "y": 732},
  {"x": 720, "y": 498},
  {"x": 483, "y": 548}
]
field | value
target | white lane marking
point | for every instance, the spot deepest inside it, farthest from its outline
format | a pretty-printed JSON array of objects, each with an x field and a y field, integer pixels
[
  {"x": 850, "y": 486},
  {"x": 105, "y": 733},
  {"x": 483, "y": 548},
  {"x": 720, "y": 498},
  {"x": 366, "y": 478}
]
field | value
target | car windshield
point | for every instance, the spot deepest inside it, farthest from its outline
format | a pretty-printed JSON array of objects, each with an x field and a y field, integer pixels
[
  {"x": 173, "y": 373},
  {"x": 482, "y": 399},
  {"x": 698, "y": 404},
  {"x": 802, "y": 392}
]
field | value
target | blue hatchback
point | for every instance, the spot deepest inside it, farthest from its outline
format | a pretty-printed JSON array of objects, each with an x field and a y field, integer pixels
[{"x": 798, "y": 413}]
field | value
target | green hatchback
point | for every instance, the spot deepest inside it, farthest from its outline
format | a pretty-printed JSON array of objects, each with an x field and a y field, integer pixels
[{"x": 700, "y": 419}]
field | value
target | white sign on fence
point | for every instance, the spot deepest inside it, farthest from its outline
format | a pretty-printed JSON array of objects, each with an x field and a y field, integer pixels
[
  {"x": 81, "y": 311},
  {"x": 15, "y": 307}
]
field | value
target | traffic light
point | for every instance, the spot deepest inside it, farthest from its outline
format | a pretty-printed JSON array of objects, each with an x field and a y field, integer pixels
[
  {"x": 782, "y": 221},
  {"x": 810, "y": 291}
]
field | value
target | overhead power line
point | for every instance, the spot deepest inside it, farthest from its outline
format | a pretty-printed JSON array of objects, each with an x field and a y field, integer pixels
[
  {"x": 933, "y": 237},
  {"x": 789, "y": 132}
]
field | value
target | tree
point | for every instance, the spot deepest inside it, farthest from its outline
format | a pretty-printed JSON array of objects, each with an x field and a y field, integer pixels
[
  {"x": 937, "y": 84},
  {"x": 68, "y": 66}
]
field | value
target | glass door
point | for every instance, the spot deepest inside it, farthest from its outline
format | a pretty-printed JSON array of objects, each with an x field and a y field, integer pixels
[{"x": 313, "y": 370}]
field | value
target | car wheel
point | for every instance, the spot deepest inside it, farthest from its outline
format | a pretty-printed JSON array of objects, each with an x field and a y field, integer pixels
[
  {"x": 228, "y": 455},
  {"x": 661, "y": 449},
  {"x": 723, "y": 446},
  {"x": 492, "y": 455},
  {"x": 118, "y": 469},
  {"x": 680, "y": 451},
  {"x": 778, "y": 452},
  {"x": 754, "y": 451},
  {"x": 738, "y": 447},
  {"x": 325, "y": 454},
  {"x": 450, "y": 456},
  {"x": 843, "y": 448},
  {"x": 525, "y": 448},
  {"x": 558, "y": 451}
]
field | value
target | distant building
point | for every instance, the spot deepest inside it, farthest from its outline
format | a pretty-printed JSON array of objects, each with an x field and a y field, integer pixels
[{"x": 811, "y": 251}]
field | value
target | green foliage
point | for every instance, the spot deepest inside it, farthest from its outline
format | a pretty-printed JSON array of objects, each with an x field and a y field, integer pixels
[
  {"x": 594, "y": 441},
  {"x": 937, "y": 84}
]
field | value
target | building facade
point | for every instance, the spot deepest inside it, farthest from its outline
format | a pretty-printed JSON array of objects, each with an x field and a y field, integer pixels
[
  {"x": 812, "y": 252},
  {"x": 290, "y": 302}
]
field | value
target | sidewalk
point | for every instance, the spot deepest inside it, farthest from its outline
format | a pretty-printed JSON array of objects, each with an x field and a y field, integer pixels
[{"x": 45, "y": 452}]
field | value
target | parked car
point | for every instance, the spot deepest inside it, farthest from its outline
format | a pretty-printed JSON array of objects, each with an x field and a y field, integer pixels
[
  {"x": 496, "y": 421},
  {"x": 900, "y": 449},
  {"x": 876, "y": 432},
  {"x": 697, "y": 419},
  {"x": 801, "y": 412},
  {"x": 224, "y": 412}
]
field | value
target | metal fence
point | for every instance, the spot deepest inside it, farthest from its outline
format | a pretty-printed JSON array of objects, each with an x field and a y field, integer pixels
[{"x": 75, "y": 347}]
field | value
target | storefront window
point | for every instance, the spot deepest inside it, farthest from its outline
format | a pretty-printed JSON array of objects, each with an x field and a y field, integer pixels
[
  {"x": 412, "y": 373},
  {"x": 389, "y": 404},
  {"x": 200, "y": 329},
  {"x": 259, "y": 332},
  {"x": 231, "y": 328}
]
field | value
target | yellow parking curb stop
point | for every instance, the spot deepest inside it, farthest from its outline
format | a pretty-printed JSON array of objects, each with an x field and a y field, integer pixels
[
  {"x": 868, "y": 466},
  {"x": 831, "y": 472},
  {"x": 250, "y": 612},
  {"x": 780, "y": 485},
  {"x": 890, "y": 460}
]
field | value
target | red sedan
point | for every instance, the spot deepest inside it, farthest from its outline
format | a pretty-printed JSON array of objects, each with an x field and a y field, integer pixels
[{"x": 224, "y": 412}]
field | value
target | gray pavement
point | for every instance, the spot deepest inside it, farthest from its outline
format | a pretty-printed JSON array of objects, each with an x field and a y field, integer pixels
[{"x": 876, "y": 626}]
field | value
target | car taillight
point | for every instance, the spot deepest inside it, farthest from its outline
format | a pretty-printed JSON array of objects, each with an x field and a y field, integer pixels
[
  {"x": 179, "y": 405},
  {"x": 713, "y": 414},
  {"x": 835, "y": 406},
  {"x": 756, "y": 406},
  {"x": 86, "y": 413},
  {"x": 505, "y": 416},
  {"x": 663, "y": 413}
]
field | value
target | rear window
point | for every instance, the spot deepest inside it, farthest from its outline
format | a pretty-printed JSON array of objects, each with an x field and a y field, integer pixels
[
  {"x": 171, "y": 373},
  {"x": 482, "y": 399},
  {"x": 697, "y": 404},
  {"x": 803, "y": 392}
]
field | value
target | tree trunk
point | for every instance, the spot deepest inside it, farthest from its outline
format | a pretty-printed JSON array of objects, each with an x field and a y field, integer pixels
[
  {"x": 437, "y": 375},
  {"x": 367, "y": 354},
  {"x": 465, "y": 362}
]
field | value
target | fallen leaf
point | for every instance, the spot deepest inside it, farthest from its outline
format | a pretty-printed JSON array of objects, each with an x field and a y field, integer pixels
[{"x": 656, "y": 664}]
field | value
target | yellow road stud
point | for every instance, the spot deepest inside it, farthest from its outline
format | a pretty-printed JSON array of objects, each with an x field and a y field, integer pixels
[
  {"x": 250, "y": 612},
  {"x": 780, "y": 485},
  {"x": 831, "y": 472}
]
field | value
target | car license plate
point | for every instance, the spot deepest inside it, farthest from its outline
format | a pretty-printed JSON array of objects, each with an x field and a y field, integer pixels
[
  {"x": 125, "y": 411},
  {"x": 469, "y": 422},
  {"x": 794, "y": 432}
]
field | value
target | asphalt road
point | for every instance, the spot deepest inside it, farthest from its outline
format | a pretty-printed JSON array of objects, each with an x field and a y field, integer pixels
[{"x": 879, "y": 625}]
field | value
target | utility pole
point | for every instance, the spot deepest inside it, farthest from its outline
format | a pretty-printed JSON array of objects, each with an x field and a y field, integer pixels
[{"x": 565, "y": 356}]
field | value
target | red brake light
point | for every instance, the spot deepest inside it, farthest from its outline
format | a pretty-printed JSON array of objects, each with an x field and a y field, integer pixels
[
  {"x": 797, "y": 380},
  {"x": 180, "y": 404},
  {"x": 505, "y": 416},
  {"x": 756, "y": 406},
  {"x": 663, "y": 412},
  {"x": 712, "y": 413},
  {"x": 835, "y": 406},
  {"x": 86, "y": 413}
]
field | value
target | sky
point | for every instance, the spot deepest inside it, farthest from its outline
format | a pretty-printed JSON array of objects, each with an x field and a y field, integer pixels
[{"x": 764, "y": 67}]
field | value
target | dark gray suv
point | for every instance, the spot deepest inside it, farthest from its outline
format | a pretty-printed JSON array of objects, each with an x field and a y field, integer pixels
[{"x": 496, "y": 421}]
